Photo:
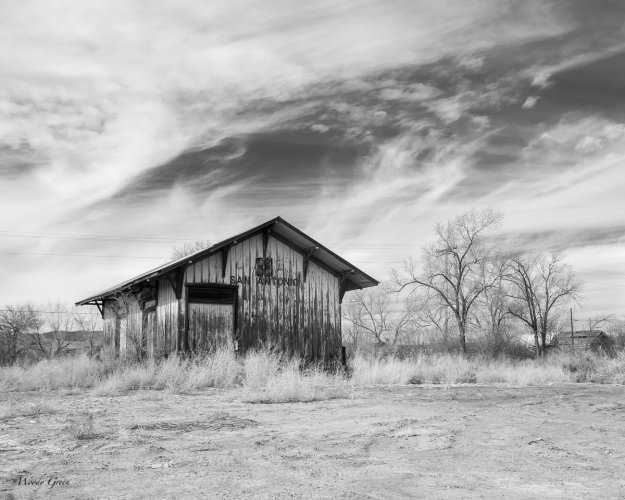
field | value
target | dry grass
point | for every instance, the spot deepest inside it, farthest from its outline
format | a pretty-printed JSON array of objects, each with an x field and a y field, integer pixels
[
  {"x": 438, "y": 369},
  {"x": 27, "y": 409},
  {"x": 264, "y": 376},
  {"x": 453, "y": 369},
  {"x": 290, "y": 384},
  {"x": 60, "y": 373},
  {"x": 222, "y": 370},
  {"x": 82, "y": 427},
  {"x": 259, "y": 367},
  {"x": 522, "y": 373}
]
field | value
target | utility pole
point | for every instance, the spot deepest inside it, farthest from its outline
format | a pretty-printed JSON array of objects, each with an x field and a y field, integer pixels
[
  {"x": 446, "y": 311},
  {"x": 572, "y": 336}
]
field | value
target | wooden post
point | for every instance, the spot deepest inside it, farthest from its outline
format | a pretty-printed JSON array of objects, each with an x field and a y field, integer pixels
[{"x": 572, "y": 336}]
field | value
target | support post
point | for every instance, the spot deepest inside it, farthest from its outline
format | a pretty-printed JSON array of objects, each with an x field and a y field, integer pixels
[
  {"x": 572, "y": 336},
  {"x": 176, "y": 279}
]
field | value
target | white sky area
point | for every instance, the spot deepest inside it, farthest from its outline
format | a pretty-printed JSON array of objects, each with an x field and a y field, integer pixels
[{"x": 449, "y": 105}]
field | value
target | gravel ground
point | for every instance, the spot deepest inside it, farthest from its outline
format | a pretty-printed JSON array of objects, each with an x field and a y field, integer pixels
[{"x": 565, "y": 441}]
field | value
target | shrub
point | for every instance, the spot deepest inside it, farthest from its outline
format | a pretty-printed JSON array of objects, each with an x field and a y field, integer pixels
[{"x": 581, "y": 364}]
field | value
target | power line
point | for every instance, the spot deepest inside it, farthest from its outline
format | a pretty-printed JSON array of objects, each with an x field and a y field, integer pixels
[
  {"x": 49, "y": 312},
  {"x": 27, "y": 234},
  {"x": 160, "y": 258},
  {"x": 97, "y": 237},
  {"x": 85, "y": 255}
]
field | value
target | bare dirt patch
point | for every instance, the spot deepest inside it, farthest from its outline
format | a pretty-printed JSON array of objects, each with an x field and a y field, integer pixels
[{"x": 422, "y": 441}]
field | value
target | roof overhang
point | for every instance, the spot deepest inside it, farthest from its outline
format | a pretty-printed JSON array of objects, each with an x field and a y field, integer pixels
[{"x": 353, "y": 278}]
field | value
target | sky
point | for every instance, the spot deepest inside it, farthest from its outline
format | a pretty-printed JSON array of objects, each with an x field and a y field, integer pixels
[{"x": 127, "y": 127}]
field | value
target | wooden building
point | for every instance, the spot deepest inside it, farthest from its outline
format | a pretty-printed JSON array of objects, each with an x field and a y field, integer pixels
[
  {"x": 594, "y": 340},
  {"x": 270, "y": 286}
]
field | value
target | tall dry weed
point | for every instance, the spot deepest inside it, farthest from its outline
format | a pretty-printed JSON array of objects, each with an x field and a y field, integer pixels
[{"x": 265, "y": 376}]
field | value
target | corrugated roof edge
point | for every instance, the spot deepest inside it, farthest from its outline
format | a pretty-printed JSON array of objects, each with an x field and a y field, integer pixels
[{"x": 168, "y": 266}]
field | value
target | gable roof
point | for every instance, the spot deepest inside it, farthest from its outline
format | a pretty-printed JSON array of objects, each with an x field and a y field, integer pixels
[
  {"x": 356, "y": 279},
  {"x": 588, "y": 336}
]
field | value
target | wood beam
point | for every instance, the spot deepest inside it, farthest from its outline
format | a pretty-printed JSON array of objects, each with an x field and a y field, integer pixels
[
  {"x": 307, "y": 255},
  {"x": 224, "y": 258},
  {"x": 343, "y": 281},
  {"x": 176, "y": 279},
  {"x": 266, "y": 234}
]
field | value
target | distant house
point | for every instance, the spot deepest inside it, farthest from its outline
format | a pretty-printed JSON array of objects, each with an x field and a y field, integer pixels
[
  {"x": 272, "y": 285},
  {"x": 595, "y": 340}
]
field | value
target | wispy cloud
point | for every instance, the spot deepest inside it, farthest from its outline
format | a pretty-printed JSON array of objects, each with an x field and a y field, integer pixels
[{"x": 131, "y": 117}]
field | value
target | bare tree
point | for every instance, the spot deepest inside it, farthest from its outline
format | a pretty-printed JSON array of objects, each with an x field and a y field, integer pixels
[
  {"x": 16, "y": 325},
  {"x": 437, "y": 319},
  {"x": 491, "y": 315},
  {"x": 58, "y": 323},
  {"x": 454, "y": 266},
  {"x": 91, "y": 326},
  {"x": 180, "y": 251},
  {"x": 379, "y": 314},
  {"x": 594, "y": 323},
  {"x": 538, "y": 284}
]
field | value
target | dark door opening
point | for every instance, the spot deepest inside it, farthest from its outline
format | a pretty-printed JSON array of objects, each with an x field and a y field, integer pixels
[{"x": 211, "y": 317}]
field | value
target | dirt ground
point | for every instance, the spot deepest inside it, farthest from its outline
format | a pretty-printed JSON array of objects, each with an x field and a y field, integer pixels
[{"x": 399, "y": 442}]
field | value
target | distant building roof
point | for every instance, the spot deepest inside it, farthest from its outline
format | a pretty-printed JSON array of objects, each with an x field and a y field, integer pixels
[{"x": 580, "y": 338}]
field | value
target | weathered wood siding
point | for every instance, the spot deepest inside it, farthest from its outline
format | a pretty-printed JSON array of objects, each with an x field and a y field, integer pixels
[
  {"x": 214, "y": 319},
  {"x": 132, "y": 329},
  {"x": 166, "y": 319},
  {"x": 108, "y": 331},
  {"x": 298, "y": 316},
  {"x": 128, "y": 329},
  {"x": 150, "y": 327}
]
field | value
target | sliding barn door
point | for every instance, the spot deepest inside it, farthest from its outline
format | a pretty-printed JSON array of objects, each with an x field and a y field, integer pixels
[{"x": 211, "y": 318}]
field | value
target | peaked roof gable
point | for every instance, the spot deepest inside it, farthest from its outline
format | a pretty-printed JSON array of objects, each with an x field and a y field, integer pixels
[{"x": 356, "y": 279}]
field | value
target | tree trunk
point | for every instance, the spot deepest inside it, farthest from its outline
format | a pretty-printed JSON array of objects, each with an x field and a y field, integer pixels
[
  {"x": 543, "y": 339},
  {"x": 463, "y": 337},
  {"x": 536, "y": 343}
]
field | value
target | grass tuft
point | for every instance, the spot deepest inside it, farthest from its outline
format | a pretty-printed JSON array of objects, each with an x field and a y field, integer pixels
[{"x": 82, "y": 427}]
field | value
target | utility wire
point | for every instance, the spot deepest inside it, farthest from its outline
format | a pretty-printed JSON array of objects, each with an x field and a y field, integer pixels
[
  {"x": 48, "y": 312},
  {"x": 173, "y": 240},
  {"x": 84, "y": 255},
  {"x": 160, "y": 258},
  {"x": 25, "y": 234}
]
